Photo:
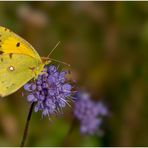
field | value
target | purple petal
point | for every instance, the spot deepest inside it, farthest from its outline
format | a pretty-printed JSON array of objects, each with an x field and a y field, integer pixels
[
  {"x": 31, "y": 98},
  {"x": 52, "y": 69},
  {"x": 66, "y": 87},
  {"x": 27, "y": 87}
]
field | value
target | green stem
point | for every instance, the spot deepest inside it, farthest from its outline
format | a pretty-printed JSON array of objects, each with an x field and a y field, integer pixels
[
  {"x": 27, "y": 126},
  {"x": 69, "y": 132}
]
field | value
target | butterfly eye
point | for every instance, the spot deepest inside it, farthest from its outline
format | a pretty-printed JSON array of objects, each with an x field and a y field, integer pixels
[{"x": 11, "y": 68}]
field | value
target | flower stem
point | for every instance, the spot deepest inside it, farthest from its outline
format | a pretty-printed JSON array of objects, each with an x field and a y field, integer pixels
[
  {"x": 69, "y": 132},
  {"x": 27, "y": 126}
]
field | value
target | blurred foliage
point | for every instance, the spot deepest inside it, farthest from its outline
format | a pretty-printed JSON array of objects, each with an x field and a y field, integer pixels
[{"x": 107, "y": 45}]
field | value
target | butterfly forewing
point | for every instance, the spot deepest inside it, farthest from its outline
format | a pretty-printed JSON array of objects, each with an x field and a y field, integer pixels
[{"x": 12, "y": 43}]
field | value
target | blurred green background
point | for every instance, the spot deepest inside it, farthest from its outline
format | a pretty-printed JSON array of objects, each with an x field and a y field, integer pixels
[{"x": 106, "y": 44}]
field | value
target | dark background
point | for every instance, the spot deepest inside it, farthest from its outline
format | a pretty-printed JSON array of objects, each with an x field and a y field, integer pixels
[{"x": 106, "y": 44}]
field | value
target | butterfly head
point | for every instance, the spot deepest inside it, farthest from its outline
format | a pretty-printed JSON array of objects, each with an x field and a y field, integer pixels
[
  {"x": 45, "y": 60},
  {"x": 40, "y": 68}
]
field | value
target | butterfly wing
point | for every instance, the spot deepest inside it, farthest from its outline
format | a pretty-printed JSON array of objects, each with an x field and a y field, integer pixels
[
  {"x": 12, "y": 43},
  {"x": 15, "y": 71},
  {"x": 19, "y": 62}
]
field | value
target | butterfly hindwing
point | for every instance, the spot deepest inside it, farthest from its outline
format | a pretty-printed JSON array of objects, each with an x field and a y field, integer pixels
[{"x": 12, "y": 75}]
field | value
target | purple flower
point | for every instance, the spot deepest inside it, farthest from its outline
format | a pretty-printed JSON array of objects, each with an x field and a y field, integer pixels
[
  {"x": 50, "y": 91},
  {"x": 89, "y": 113}
]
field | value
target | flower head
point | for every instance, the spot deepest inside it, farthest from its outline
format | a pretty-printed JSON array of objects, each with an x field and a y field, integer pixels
[
  {"x": 50, "y": 91},
  {"x": 89, "y": 113}
]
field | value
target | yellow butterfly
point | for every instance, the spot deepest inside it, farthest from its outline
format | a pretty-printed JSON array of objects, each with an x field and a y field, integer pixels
[{"x": 19, "y": 62}]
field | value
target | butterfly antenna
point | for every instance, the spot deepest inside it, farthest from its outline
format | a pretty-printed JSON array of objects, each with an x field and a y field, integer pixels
[
  {"x": 55, "y": 59},
  {"x": 54, "y": 49},
  {"x": 60, "y": 62}
]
